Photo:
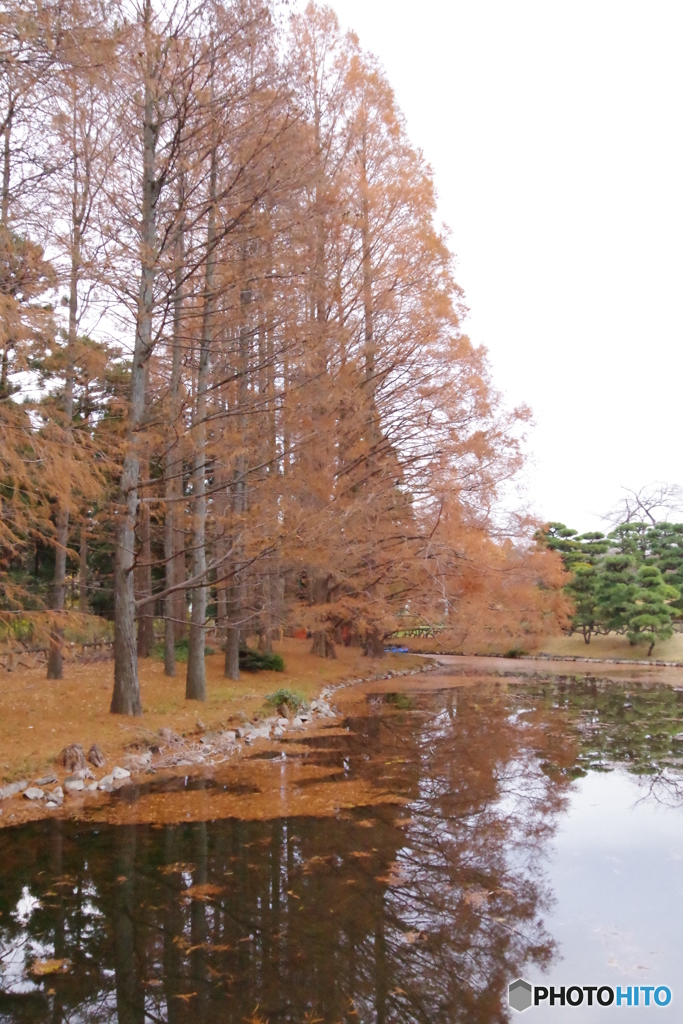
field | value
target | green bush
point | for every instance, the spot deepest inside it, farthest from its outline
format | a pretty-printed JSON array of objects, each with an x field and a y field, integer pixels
[
  {"x": 516, "y": 652},
  {"x": 294, "y": 701},
  {"x": 182, "y": 649},
  {"x": 254, "y": 661}
]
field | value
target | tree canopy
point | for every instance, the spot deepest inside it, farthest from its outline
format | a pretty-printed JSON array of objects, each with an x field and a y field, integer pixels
[
  {"x": 629, "y": 581},
  {"x": 236, "y": 390}
]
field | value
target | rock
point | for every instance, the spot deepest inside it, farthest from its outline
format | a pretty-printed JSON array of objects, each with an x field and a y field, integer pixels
[
  {"x": 91, "y": 786},
  {"x": 678, "y": 737},
  {"x": 46, "y": 780},
  {"x": 305, "y": 717},
  {"x": 13, "y": 789},
  {"x": 33, "y": 793},
  {"x": 82, "y": 773},
  {"x": 72, "y": 757},
  {"x": 72, "y": 784},
  {"x": 106, "y": 783},
  {"x": 200, "y": 725},
  {"x": 120, "y": 773},
  {"x": 283, "y": 723},
  {"x": 242, "y": 732},
  {"x": 230, "y": 735},
  {"x": 96, "y": 756},
  {"x": 278, "y": 732},
  {"x": 297, "y": 723},
  {"x": 56, "y": 796},
  {"x": 137, "y": 763},
  {"x": 314, "y": 705}
]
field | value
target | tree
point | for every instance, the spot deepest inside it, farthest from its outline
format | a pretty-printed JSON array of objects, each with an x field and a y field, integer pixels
[
  {"x": 615, "y": 592},
  {"x": 292, "y": 428},
  {"x": 650, "y": 612},
  {"x": 583, "y": 591},
  {"x": 647, "y": 503}
]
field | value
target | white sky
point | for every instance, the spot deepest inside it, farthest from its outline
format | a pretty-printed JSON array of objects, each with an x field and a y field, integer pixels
[{"x": 555, "y": 133}]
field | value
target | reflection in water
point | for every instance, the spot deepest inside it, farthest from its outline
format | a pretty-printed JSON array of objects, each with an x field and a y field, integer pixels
[{"x": 422, "y": 909}]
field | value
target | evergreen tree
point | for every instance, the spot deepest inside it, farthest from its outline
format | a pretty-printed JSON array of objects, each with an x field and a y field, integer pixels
[
  {"x": 650, "y": 611},
  {"x": 615, "y": 592}
]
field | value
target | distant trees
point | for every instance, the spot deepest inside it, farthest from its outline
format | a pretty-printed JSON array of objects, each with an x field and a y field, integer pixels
[
  {"x": 627, "y": 582},
  {"x": 235, "y": 389}
]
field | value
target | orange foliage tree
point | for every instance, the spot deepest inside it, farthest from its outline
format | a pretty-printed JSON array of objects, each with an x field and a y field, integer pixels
[{"x": 304, "y": 437}]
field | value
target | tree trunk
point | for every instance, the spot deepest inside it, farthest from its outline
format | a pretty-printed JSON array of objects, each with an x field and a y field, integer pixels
[
  {"x": 126, "y": 697},
  {"x": 232, "y": 653},
  {"x": 169, "y": 625},
  {"x": 179, "y": 566},
  {"x": 6, "y": 160},
  {"x": 174, "y": 603},
  {"x": 323, "y": 646},
  {"x": 195, "y": 688},
  {"x": 83, "y": 571},
  {"x": 55, "y": 664},
  {"x": 374, "y": 644},
  {"x": 143, "y": 588}
]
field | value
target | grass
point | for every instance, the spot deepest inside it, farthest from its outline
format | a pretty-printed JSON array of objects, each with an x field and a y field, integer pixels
[{"x": 612, "y": 646}]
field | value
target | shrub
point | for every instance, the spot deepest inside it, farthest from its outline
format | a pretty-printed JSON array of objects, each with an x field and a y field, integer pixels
[
  {"x": 182, "y": 649},
  {"x": 254, "y": 661},
  {"x": 294, "y": 701}
]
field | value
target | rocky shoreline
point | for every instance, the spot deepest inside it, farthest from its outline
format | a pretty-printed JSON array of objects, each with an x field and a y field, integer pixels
[{"x": 64, "y": 790}]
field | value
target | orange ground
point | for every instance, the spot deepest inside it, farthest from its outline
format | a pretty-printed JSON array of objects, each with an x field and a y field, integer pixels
[{"x": 38, "y": 718}]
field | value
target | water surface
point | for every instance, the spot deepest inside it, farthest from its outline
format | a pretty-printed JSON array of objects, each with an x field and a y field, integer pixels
[{"x": 533, "y": 830}]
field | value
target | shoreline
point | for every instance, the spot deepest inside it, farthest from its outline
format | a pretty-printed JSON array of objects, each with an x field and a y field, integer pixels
[
  {"x": 194, "y": 762},
  {"x": 231, "y": 758}
]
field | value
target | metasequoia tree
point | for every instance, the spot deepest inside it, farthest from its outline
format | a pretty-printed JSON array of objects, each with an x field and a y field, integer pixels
[
  {"x": 289, "y": 428},
  {"x": 156, "y": 73},
  {"x": 82, "y": 151}
]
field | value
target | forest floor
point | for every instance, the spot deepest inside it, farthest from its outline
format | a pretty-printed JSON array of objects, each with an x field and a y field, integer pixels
[{"x": 39, "y": 717}]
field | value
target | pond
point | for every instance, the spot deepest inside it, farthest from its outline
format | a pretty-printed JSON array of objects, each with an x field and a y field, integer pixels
[{"x": 527, "y": 831}]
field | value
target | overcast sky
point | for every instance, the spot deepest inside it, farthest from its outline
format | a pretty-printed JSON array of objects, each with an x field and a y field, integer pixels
[{"x": 554, "y": 131}]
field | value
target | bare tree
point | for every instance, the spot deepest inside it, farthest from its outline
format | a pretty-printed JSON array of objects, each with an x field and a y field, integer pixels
[{"x": 654, "y": 503}]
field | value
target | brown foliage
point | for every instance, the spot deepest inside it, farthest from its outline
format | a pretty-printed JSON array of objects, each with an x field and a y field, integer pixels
[{"x": 299, "y": 431}]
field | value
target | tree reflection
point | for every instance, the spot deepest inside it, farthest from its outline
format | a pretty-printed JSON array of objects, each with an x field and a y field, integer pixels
[
  {"x": 636, "y": 727},
  {"x": 418, "y": 910}
]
